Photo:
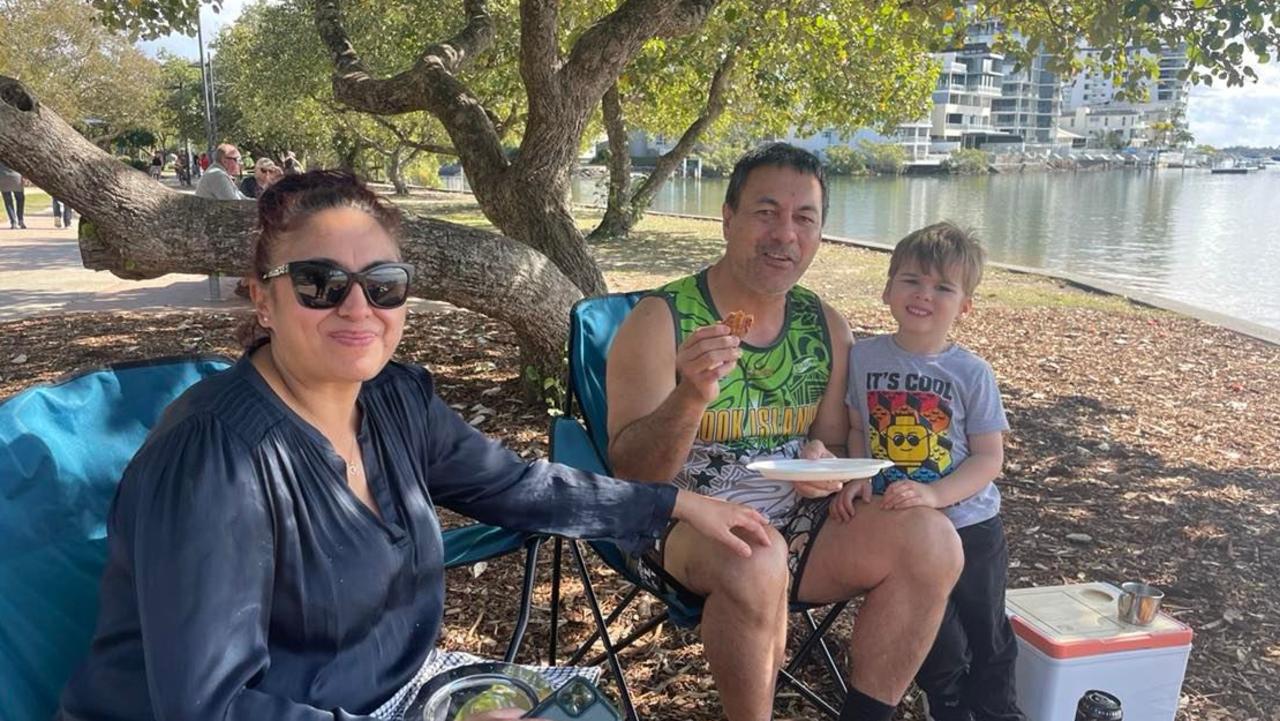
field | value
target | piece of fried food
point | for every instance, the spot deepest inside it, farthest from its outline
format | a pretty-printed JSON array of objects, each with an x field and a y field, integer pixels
[{"x": 739, "y": 323}]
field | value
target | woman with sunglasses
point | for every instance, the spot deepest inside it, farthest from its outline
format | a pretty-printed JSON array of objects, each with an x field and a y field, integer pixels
[{"x": 274, "y": 548}]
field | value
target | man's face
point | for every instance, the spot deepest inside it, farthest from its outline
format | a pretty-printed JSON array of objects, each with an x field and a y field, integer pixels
[
  {"x": 773, "y": 235},
  {"x": 231, "y": 162}
]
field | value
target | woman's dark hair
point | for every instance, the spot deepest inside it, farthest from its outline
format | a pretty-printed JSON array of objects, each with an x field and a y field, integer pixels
[{"x": 290, "y": 202}]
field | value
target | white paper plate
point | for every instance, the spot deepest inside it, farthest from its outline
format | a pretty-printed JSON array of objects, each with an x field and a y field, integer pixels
[{"x": 822, "y": 469}]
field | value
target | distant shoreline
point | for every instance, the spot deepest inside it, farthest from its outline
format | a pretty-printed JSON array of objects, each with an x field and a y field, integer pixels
[
  {"x": 1242, "y": 326},
  {"x": 1257, "y": 331}
]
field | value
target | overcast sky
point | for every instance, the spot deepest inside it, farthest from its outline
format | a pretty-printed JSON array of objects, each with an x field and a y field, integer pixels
[
  {"x": 1217, "y": 115},
  {"x": 212, "y": 22},
  {"x": 1222, "y": 116}
]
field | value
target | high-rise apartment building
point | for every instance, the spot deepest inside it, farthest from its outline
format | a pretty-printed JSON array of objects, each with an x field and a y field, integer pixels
[
  {"x": 1030, "y": 96},
  {"x": 984, "y": 97},
  {"x": 1167, "y": 95}
]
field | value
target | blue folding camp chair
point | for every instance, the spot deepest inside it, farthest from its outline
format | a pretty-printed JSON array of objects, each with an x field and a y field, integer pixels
[
  {"x": 63, "y": 448},
  {"x": 592, "y": 325}
]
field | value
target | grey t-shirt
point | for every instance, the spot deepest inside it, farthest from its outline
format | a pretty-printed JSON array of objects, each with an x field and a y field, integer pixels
[
  {"x": 216, "y": 184},
  {"x": 919, "y": 411}
]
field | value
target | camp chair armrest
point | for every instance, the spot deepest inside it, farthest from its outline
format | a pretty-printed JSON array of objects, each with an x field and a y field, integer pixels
[{"x": 571, "y": 445}]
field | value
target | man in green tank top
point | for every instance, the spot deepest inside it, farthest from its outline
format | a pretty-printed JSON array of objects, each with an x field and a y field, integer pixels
[{"x": 691, "y": 404}]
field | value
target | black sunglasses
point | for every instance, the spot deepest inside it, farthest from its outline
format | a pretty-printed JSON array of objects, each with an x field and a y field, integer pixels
[{"x": 322, "y": 284}]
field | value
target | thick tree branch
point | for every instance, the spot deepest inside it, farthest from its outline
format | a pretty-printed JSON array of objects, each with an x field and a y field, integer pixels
[
  {"x": 539, "y": 51},
  {"x": 606, "y": 48},
  {"x": 558, "y": 114},
  {"x": 667, "y": 162},
  {"x": 474, "y": 38},
  {"x": 137, "y": 228},
  {"x": 626, "y": 206},
  {"x": 429, "y": 85}
]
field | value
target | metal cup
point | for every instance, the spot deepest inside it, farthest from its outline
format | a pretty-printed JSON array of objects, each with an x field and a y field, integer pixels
[{"x": 1139, "y": 603}]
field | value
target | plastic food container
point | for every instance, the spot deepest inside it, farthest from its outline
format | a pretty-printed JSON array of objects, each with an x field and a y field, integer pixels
[{"x": 1070, "y": 640}]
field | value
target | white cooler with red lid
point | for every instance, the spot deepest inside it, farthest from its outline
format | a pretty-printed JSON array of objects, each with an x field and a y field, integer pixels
[{"x": 1070, "y": 640}]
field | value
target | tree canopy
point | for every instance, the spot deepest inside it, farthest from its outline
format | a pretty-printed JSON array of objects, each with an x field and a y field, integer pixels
[
  {"x": 1217, "y": 32},
  {"x": 90, "y": 75},
  {"x": 541, "y": 73}
]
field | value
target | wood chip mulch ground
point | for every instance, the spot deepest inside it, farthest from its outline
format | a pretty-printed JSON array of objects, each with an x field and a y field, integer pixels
[{"x": 1142, "y": 447}]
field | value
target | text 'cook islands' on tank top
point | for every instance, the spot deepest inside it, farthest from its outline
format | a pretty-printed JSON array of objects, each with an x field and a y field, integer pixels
[{"x": 766, "y": 403}]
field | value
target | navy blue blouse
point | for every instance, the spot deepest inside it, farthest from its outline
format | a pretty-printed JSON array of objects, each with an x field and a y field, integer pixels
[{"x": 246, "y": 581}]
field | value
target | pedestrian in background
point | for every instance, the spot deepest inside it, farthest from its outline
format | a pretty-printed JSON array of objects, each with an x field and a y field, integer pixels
[
  {"x": 252, "y": 185},
  {"x": 61, "y": 214},
  {"x": 219, "y": 181},
  {"x": 15, "y": 200}
]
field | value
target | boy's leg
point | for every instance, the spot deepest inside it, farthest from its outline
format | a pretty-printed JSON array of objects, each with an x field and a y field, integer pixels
[
  {"x": 989, "y": 686},
  {"x": 8, "y": 208},
  {"x": 20, "y": 200},
  {"x": 942, "y": 675}
]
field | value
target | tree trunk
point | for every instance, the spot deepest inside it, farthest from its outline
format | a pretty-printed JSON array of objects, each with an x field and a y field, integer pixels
[
  {"x": 627, "y": 206},
  {"x": 137, "y": 228},
  {"x": 617, "y": 221},
  {"x": 527, "y": 198},
  {"x": 540, "y": 216},
  {"x": 395, "y": 171}
]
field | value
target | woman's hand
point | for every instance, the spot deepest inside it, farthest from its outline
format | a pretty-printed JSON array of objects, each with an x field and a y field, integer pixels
[
  {"x": 812, "y": 451},
  {"x": 732, "y": 524}
]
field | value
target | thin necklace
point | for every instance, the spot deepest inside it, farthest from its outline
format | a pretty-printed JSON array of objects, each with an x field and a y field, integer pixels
[{"x": 353, "y": 466}]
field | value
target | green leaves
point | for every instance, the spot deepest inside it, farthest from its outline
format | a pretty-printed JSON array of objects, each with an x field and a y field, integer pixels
[
  {"x": 805, "y": 63},
  {"x": 77, "y": 67},
  {"x": 1216, "y": 34}
]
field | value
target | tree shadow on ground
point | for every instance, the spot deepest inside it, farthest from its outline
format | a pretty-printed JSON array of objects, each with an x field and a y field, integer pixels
[
  {"x": 23, "y": 256},
  {"x": 176, "y": 296},
  {"x": 657, "y": 252}
]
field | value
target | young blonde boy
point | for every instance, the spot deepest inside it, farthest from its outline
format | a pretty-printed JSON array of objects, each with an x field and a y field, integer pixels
[{"x": 933, "y": 408}]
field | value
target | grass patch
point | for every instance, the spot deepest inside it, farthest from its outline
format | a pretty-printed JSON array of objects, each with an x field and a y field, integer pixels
[
  {"x": 850, "y": 278},
  {"x": 37, "y": 201}
]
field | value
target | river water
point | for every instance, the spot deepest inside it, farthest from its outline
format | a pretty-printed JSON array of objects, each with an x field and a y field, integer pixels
[{"x": 1207, "y": 240}]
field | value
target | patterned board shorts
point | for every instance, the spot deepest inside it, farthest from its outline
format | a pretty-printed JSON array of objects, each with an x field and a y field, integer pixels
[{"x": 798, "y": 529}]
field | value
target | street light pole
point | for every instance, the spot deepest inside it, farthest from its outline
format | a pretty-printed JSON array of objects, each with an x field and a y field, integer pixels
[
  {"x": 206, "y": 87},
  {"x": 206, "y": 79},
  {"x": 213, "y": 102}
]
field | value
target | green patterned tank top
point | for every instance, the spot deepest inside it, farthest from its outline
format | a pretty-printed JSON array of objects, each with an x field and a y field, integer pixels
[{"x": 766, "y": 403}]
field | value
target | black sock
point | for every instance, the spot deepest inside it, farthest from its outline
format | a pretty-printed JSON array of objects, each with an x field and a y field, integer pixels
[{"x": 860, "y": 707}]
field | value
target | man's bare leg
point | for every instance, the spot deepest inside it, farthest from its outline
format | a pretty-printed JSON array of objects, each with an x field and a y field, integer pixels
[
  {"x": 906, "y": 562},
  {"x": 744, "y": 620}
]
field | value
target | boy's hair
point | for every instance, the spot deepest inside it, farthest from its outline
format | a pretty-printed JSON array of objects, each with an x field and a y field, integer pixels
[
  {"x": 935, "y": 248},
  {"x": 780, "y": 155}
]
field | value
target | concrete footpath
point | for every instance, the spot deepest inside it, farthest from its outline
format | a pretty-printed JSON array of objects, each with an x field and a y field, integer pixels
[{"x": 41, "y": 273}]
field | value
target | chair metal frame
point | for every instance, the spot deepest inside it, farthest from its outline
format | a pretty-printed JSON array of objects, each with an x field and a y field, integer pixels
[{"x": 568, "y": 430}]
